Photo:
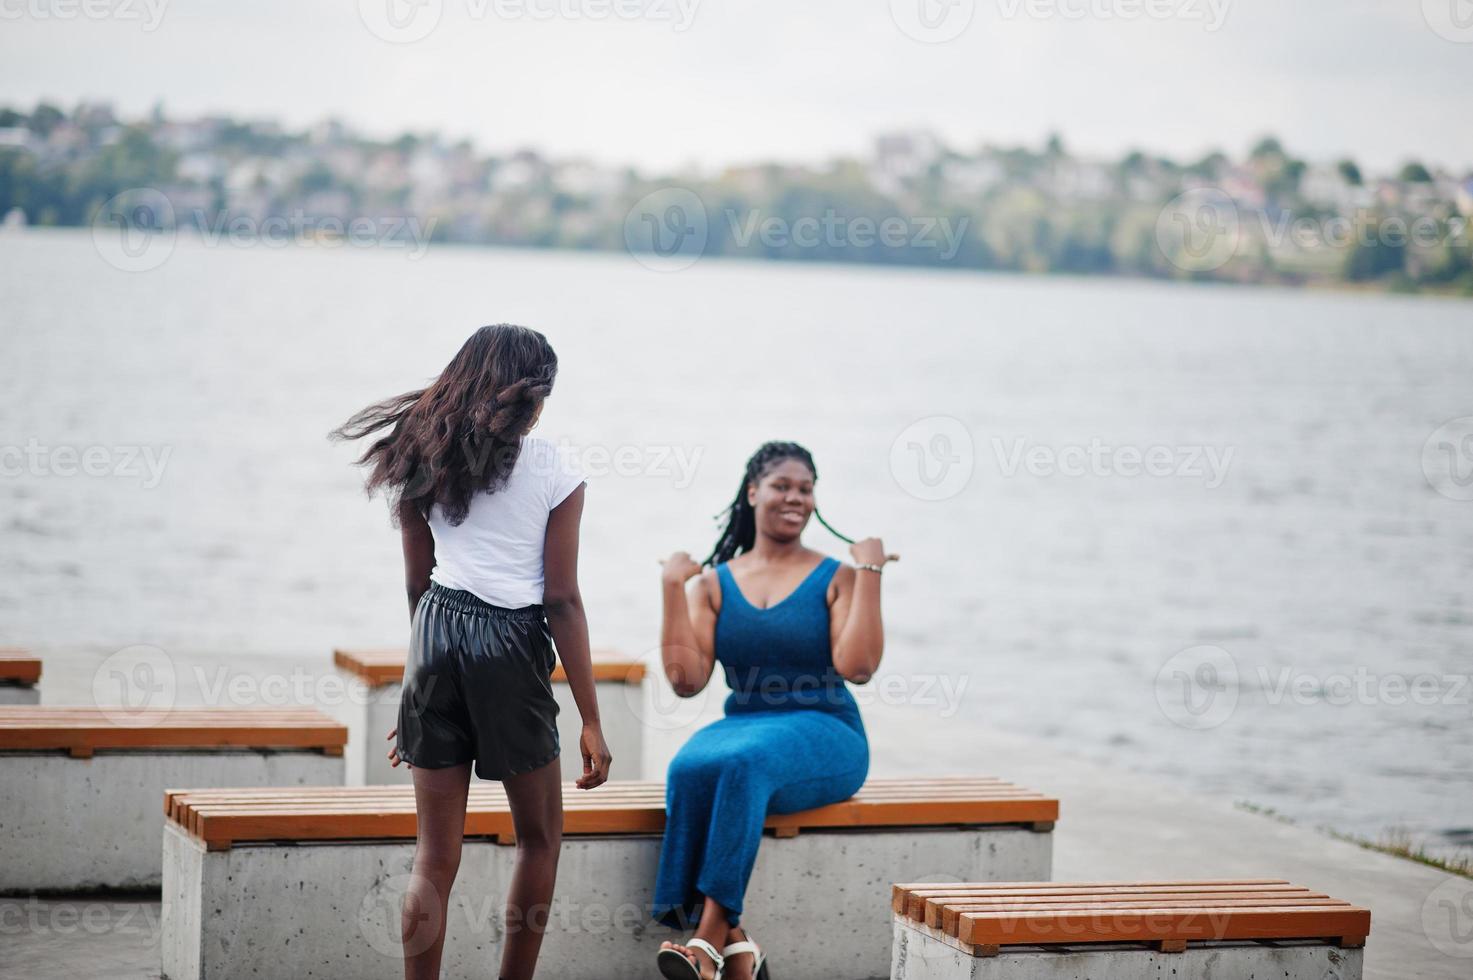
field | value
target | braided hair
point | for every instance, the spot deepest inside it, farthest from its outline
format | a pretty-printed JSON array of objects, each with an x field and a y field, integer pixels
[
  {"x": 739, "y": 532},
  {"x": 461, "y": 435}
]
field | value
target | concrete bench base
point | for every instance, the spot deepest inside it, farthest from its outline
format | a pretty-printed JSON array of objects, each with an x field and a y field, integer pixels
[
  {"x": 919, "y": 954},
  {"x": 373, "y": 711},
  {"x": 819, "y": 903},
  {"x": 74, "y": 824},
  {"x": 19, "y": 694}
]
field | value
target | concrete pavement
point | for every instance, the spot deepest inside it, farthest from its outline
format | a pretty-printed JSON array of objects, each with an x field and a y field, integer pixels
[{"x": 1114, "y": 825}]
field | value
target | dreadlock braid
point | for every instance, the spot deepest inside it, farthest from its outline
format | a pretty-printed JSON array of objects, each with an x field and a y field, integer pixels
[{"x": 739, "y": 532}]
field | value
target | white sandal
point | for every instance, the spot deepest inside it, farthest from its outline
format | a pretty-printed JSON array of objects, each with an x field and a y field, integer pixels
[
  {"x": 759, "y": 958},
  {"x": 675, "y": 965}
]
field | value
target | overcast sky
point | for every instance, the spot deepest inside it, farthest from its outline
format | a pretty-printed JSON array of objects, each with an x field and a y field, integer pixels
[{"x": 717, "y": 81}]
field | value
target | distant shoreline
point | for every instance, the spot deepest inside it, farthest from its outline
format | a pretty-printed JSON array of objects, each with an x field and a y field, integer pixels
[{"x": 1268, "y": 217}]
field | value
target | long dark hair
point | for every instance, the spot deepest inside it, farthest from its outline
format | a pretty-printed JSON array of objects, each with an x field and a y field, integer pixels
[
  {"x": 460, "y": 435},
  {"x": 739, "y": 532}
]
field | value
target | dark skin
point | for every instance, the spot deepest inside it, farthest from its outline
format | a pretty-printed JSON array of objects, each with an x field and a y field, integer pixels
[
  {"x": 767, "y": 574},
  {"x": 535, "y": 798}
]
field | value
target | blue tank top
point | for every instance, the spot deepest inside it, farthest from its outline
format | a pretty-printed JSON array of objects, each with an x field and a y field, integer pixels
[{"x": 780, "y": 658}]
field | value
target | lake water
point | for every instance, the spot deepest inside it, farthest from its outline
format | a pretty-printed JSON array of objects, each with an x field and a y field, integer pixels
[{"x": 1185, "y": 530}]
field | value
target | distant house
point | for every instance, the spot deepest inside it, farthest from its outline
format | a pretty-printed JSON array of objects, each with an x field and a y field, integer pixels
[
  {"x": 902, "y": 157},
  {"x": 1389, "y": 193},
  {"x": 191, "y": 204},
  {"x": 1082, "y": 180},
  {"x": 188, "y": 136},
  {"x": 1241, "y": 184},
  {"x": 429, "y": 172},
  {"x": 385, "y": 172},
  {"x": 200, "y": 167},
  {"x": 1464, "y": 198},
  {"x": 522, "y": 170},
  {"x": 1423, "y": 197},
  {"x": 583, "y": 179},
  {"x": 972, "y": 177},
  {"x": 328, "y": 204},
  {"x": 17, "y": 138},
  {"x": 1327, "y": 188}
]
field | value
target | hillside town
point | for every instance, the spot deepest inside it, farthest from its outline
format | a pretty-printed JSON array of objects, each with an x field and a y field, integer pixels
[{"x": 1023, "y": 209}]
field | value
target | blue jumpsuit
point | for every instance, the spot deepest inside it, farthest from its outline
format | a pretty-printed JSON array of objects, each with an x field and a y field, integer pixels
[{"x": 791, "y": 740}]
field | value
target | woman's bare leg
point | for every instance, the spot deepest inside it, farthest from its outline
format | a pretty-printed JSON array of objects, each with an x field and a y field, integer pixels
[
  {"x": 714, "y": 927},
  {"x": 536, "y": 800},
  {"x": 439, "y": 798},
  {"x": 738, "y": 967}
]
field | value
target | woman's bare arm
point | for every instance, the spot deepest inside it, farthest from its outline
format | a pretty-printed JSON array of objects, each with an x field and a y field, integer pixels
[
  {"x": 687, "y": 625},
  {"x": 563, "y": 602},
  {"x": 418, "y": 543},
  {"x": 419, "y": 552},
  {"x": 856, "y": 629}
]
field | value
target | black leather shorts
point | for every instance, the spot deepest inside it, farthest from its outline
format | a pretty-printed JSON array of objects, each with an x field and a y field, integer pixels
[{"x": 478, "y": 687}]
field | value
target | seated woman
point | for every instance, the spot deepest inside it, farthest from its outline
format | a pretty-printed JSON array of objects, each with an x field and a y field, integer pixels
[{"x": 789, "y": 626}]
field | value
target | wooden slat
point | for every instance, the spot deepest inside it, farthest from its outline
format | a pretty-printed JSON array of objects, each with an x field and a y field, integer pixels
[
  {"x": 940, "y": 911},
  {"x": 907, "y": 898},
  {"x": 985, "y": 916},
  {"x": 386, "y": 666},
  {"x": 84, "y": 729},
  {"x": 1161, "y": 925},
  {"x": 19, "y": 667},
  {"x": 220, "y": 817},
  {"x": 950, "y": 922}
]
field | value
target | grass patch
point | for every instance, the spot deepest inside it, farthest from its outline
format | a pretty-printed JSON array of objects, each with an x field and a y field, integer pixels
[
  {"x": 1396, "y": 842},
  {"x": 1264, "y": 811}
]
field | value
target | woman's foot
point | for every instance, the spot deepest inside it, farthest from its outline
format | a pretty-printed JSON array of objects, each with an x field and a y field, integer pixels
[
  {"x": 703, "y": 963},
  {"x": 738, "y": 965}
]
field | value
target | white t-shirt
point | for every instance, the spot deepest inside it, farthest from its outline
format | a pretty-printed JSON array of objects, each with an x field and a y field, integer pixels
[{"x": 496, "y": 552}]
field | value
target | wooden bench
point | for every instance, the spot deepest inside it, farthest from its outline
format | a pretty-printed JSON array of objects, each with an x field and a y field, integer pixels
[
  {"x": 82, "y": 784},
  {"x": 372, "y": 709},
  {"x": 1183, "y": 929},
  {"x": 339, "y": 859},
  {"x": 19, "y": 674}
]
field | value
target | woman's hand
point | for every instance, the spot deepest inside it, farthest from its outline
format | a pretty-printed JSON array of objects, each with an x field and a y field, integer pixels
[
  {"x": 596, "y": 757},
  {"x": 679, "y": 568},
  {"x": 870, "y": 551},
  {"x": 394, "y": 759}
]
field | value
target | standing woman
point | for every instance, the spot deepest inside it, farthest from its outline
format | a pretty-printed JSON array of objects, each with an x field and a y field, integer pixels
[
  {"x": 789, "y": 626},
  {"x": 489, "y": 519}
]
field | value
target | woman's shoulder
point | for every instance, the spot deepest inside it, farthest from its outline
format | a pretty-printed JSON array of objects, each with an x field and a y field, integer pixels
[
  {"x": 842, "y": 578},
  {"x": 827, "y": 564},
  {"x": 554, "y": 464},
  {"x": 537, "y": 448},
  {"x": 705, "y": 588}
]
